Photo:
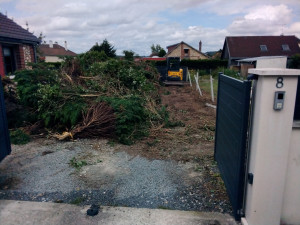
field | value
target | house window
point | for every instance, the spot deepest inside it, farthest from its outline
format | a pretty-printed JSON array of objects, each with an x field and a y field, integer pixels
[
  {"x": 263, "y": 48},
  {"x": 285, "y": 47},
  {"x": 186, "y": 53},
  {"x": 9, "y": 59}
]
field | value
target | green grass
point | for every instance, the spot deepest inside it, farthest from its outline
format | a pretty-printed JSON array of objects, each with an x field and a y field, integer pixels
[
  {"x": 204, "y": 83},
  {"x": 77, "y": 164},
  {"x": 77, "y": 200}
]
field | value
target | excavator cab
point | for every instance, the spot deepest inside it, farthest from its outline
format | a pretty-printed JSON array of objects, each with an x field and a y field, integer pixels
[{"x": 175, "y": 73}]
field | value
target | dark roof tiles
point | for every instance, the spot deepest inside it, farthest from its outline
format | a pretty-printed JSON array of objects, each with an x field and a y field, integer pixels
[
  {"x": 10, "y": 29},
  {"x": 57, "y": 50},
  {"x": 249, "y": 46}
]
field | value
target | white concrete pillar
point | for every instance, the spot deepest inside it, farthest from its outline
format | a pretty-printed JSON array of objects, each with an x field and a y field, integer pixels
[{"x": 270, "y": 143}]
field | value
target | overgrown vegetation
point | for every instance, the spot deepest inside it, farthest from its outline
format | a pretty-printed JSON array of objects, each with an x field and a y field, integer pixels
[
  {"x": 203, "y": 64},
  {"x": 18, "y": 137},
  {"x": 92, "y": 95}
]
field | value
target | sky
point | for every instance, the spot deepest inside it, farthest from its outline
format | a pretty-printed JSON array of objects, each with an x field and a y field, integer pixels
[{"x": 137, "y": 24}]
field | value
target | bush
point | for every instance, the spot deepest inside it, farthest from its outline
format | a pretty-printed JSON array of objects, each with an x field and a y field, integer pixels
[
  {"x": 18, "y": 137},
  {"x": 131, "y": 117},
  {"x": 59, "y": 97},
  {"x": 203, "y": 64},
  {"x": 41, "y": 90},
  {"x": 29, "y": 81},
  {"x": 294, "y": 62}
]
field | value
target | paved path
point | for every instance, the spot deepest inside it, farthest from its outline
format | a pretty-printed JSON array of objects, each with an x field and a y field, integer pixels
[{"x": 45, "y": 213}]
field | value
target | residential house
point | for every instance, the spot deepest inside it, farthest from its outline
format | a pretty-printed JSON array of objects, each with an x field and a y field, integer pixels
[
  {"x": 54, "y": 52},
  {"x": 17, "y": 46},
  {"x": 185, "y": 51},
  {"x": 237, "y": 48}
]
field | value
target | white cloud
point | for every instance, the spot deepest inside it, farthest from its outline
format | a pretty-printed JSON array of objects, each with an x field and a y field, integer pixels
[
  {"x": 263, "y": 20},
  {"x": 135, "y": 24}
]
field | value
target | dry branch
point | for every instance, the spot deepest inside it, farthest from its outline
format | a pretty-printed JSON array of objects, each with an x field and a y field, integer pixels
[{"x": 99, "y": 121}]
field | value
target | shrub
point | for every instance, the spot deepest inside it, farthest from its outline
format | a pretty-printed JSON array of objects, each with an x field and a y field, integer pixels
[
  {"x": 294, "y": 62},
  {"x": 131, "y": 117},
  {"x": 18, "y": 137},
  {"x": 29, "y": 81},
  {"x": 203, "y": 64}
]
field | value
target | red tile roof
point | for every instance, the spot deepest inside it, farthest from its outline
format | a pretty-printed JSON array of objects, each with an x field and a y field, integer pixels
[
  {"x": 57, "y": 50},
  {"x": 9, "y": 29},
  {"x": 249, "y": 46}
]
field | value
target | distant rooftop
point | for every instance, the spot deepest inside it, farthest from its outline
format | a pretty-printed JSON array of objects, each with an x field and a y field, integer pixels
[
  {"x": 10, "y": 29},
  {"x": 56, "y": 50}
]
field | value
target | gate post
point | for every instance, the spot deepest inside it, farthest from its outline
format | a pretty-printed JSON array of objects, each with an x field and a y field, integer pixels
[{"x": 273, "y": 139}]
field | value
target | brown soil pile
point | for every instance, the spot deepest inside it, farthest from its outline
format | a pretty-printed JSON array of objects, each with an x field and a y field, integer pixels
[{"x": 192, "y": 138}]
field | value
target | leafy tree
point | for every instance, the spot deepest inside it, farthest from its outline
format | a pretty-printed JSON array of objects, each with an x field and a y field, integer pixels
[
  {"x": 106, "y": 47},
  {"x": 295, "y": 62},
  {"x": 162, "y": 53},
  {"x": 158, "y": 50},
  {"x": 128, "y": 55}
]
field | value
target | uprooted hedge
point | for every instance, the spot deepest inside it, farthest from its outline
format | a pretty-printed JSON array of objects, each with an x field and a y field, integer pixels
[{"x": 72, "y": 97}]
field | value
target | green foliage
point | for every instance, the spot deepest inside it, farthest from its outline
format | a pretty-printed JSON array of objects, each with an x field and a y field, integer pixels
[
  {"x": 40, "y": 89},
  {"x": 131, "y": 117},
  {"x": 77, "y": 201},
  {"x": 106, "y": 47},
  {"x": 158, "y": 50},
  {"x": 165, "y": 117},
  {"x": 58, "y": 97},
  {"x": 18, "y": 137},
  {"x": 128, "y": 55},
  {"x": 203, "y": 64},
  {"x": 162, "y": 53},
  {"x": 229, "y": 72},
  {"x": 90, "y": 57},
  {"x": 295, "y": 62},
  {"x": 125, "y": 75},
  {"x": 77, "y": 164},
  {"x": 29, "y": 81}
]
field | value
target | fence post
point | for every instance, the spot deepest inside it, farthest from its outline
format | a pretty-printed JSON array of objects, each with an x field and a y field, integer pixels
[
  {"x": 211, "y": 87},
  {"x": 189, "y": 75},
  {"x": 197, "y": 83}
]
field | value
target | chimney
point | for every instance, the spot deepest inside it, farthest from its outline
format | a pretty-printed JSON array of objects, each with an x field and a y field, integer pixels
[
  {"x": 50, "y": 44},
  {"x": 200, "y": 45},
  {"x": 66, "y": 46}
]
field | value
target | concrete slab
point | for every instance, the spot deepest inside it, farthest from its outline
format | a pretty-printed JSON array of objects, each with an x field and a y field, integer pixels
[{"x": 45, "y": 213}]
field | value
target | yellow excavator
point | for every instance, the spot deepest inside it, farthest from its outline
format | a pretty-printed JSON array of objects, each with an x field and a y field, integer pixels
[{"x": 175, "y": 73}]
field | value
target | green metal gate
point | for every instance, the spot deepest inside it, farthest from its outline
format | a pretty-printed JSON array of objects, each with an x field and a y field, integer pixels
[
  {"x": 231, "y": 137},
  {"x": 4, "y": 135}
]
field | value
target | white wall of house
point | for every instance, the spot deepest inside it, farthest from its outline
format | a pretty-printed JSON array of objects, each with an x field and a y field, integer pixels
[
  {"x": 275, "y": 62},
  {"x": 52, "y": 59}
]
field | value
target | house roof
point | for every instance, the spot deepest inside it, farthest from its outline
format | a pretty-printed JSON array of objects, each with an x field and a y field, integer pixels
[
  {"x": 10, "y": 29},
  {"x": 171, "y": 48},
  {"x": 57, "y": 50},
  {"x": 249, "y": 46}
]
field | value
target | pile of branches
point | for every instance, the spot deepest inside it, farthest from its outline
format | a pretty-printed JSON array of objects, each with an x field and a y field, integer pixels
[
  {"x": 99, "y": 120},
  {"x": 88, "y": 98}
]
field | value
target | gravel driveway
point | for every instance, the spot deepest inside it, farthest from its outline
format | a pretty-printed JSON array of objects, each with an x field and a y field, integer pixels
[{"x": 41, "y": 171}]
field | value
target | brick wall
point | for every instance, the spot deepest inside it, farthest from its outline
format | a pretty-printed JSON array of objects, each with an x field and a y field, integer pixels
[
  {"x": 32, "y": 53},
  {"x": 27, "y": 55},
  {"x": 179, "y": 52},
  {"x": 2, "y": 71},
  {"x": 20, "y": 64}
]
